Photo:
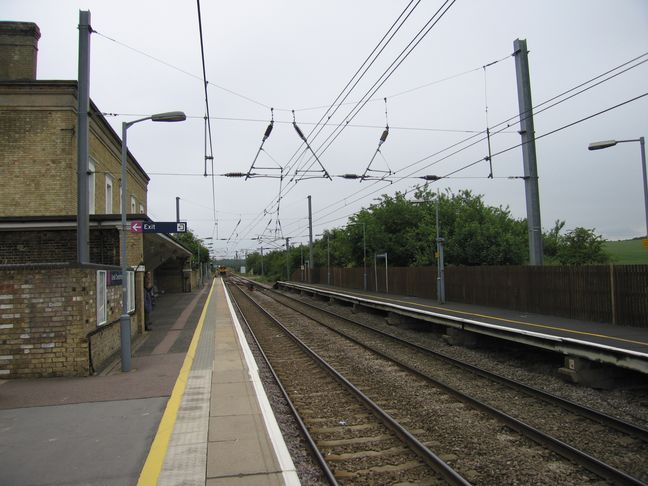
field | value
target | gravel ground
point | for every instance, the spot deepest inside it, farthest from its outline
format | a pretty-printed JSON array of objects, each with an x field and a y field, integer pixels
[
  {"x": 307, "y": 468},
  {"x": 616, "y": 448},
  {"x": 537, "y": 369},
  {"x": 478, "y": 447},
  {"x": 532, "y": 367}
]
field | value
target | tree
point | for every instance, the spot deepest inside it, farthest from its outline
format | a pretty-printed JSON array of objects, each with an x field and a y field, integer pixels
[
  {"x": 200, "y": 254},
  {"x": 551, "y": 240},
  {"x": 581, "y": 246},
  {"x": 475, "y": 234}
]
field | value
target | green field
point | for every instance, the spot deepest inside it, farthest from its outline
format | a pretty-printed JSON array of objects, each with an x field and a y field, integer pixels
[{"x": 627, "y": 251}]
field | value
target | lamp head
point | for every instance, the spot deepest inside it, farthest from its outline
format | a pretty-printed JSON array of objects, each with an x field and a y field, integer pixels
[
  {"x": 602, "y": 145},
  {"x": 170, "y": 116}
]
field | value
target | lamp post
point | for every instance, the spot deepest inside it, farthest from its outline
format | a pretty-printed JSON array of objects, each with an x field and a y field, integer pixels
[
  {"x": 124, "y": 319},
  {"x": 328, "y": 259},
  {"x": 611, "y": 143},
  {"x": 364, "y": 251},
  {"x": 439, "y": 253}
]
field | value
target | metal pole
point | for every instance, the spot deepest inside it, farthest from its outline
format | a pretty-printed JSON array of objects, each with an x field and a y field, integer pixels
[
  {"x": 376, "y": 270},
  {"x": 311, "y": 261},
  {"x": 328, "y": 259},
  {"x": 386, "y": 276},
  {"x": 437, "y": 214},
  {"x": 178, "y": 210},
  {"x": 83, "y": 107},
  {"x": 301, "y": 247},
  {"x": 364, "y": 253},
  {"x": 124, "y": 319},
  {"x": 527, "y": 132},
  {"x": 287, "y": 259},
  {"x": 441, "y": 272},
  {"x": 262, "y": 261},
  {"x": 440, "y": 259},
  {"x": 642, "y": 143}
]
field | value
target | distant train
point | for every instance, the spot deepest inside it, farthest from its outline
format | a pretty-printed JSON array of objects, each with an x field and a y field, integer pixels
[{"x": 222, "y": 271}]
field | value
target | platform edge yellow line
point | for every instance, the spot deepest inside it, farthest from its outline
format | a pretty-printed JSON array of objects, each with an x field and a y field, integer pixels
[{"x": 155, "y": 459}]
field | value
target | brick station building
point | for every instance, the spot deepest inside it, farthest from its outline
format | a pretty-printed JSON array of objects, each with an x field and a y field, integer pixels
[{"x": 59, "y": 318}]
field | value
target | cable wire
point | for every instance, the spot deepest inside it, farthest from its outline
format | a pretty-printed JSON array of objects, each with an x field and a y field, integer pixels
[
  {"x": 208, "y": 131},
  {"x": 404, "y": 54}
]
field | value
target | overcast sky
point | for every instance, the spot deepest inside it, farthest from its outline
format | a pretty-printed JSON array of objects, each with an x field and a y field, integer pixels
[{"x": 298, "y": 55}]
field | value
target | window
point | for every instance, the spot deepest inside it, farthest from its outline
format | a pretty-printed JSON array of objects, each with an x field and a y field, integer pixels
[
  {"x": 102, "y": 300},
  {"x": 131, "y": 290},
  {"x": 109, "y": 194},
  {"x": 141, "y": 208},
  {"x": 91, "y": 186},
  {"x": 133, "y": 205}
]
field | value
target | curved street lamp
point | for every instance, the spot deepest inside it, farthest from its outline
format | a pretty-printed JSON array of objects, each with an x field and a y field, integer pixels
[
  {"x": 124, "y": 319},
  {"x": 611, "y": 143}
]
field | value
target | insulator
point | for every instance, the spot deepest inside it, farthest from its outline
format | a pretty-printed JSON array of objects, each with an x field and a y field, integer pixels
[
  {"x": 383, "y": 137},
  {"x": 299, "y": 132},
  {"x": 350, "y": 176},
  {"x": 267, "y": 132},
  {"x": 430, "y": 178},
  {"x": 235, "y": 174}
]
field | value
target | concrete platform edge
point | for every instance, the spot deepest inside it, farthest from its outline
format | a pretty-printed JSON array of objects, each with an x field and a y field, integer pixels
[
  {"x": 155, "y": 459},
  {"x": 281, "y": 450}
]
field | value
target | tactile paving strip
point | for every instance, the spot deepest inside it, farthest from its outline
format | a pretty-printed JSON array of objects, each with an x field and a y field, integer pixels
[{"x": 186, "y": 458}]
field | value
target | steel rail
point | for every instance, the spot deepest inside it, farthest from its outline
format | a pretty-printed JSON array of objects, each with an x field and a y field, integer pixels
[
  {"x": 445, "y": 471},
  {"x": 595, "y": 415},
  {"x": 567, "y": 451},
  {"x": 326, "y": 470}
]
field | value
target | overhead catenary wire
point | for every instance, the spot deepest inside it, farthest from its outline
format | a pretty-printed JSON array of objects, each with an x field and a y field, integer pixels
[
  {"x": 393, "y": 127},
  {"x": 266, "y": 135},
  {"x": 547, "y": 104},
  {"x": 359, "y": 74},
  {"x": 267, "y": 106},
  {"x": 183, "y": 71},
  {"x": 513, "y": 147},
  {"x": 305, "y": 140},
  {"x": 575, "y": 91},
  {"x": 396, "y": 63},
  {"x": 208, "y": 130},
  {"x": 450, "y": 175},
  {"x": 429, "y": 25},
  {"x": 505, "y": 124},
  {"x": 489, "y": 157},
  {"x": 382, "y": 140}
]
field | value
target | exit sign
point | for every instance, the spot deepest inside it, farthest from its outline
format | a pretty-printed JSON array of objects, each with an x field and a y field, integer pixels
[{"x": 158, "y": 227}]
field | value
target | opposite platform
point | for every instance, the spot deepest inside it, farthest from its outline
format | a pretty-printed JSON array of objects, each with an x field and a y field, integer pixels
[{"x": 621, "y": 346}]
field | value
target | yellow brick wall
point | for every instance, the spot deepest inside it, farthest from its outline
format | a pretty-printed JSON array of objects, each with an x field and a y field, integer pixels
[
  {"x": 36, "y": 148},
  {"x": 107, "y": 159},
  {"x": 48, "y": 318},
  {"x": 38, "y": 144},
  {"x": 135, "y": 249}
]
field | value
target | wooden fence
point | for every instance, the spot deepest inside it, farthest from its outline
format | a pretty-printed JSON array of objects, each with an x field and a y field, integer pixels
[{"x": 616, "y": 294}]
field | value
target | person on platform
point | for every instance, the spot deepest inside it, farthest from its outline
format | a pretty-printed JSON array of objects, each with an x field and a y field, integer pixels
[{"x": 148, "y": 300}]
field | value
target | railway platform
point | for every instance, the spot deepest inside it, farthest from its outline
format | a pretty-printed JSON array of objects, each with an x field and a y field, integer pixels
[
  {"x": 192, "y": 411},
  {"x": 585, "y": 345}
]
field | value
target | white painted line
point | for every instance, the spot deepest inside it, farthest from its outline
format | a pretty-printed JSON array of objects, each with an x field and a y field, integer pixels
[{"x": 283, "y": 456}]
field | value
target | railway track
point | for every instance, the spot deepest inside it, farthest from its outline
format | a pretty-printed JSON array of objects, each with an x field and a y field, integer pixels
[
  {"x": 355, "y": 441},
  {"x": 579, "y": 435}
]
